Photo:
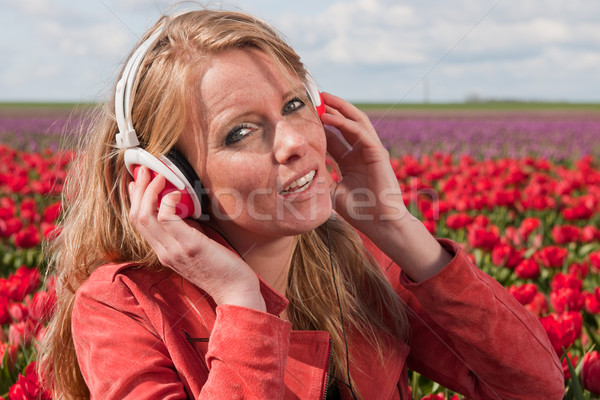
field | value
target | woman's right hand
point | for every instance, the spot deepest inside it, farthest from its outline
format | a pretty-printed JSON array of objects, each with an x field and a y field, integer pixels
[{"x": 182, "y": 246}]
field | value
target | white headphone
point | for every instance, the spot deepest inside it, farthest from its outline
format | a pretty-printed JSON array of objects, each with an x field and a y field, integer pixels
[{"x": 178, "y": 173}]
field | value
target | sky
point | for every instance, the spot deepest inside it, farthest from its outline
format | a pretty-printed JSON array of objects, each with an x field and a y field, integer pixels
[{"x": 363, "y": 50}]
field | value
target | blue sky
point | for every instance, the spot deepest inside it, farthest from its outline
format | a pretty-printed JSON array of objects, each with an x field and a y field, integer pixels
[{"x": 363, "y": 50}]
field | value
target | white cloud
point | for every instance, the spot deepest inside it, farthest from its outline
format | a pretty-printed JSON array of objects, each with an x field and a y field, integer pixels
[
  {"x": 364, "y": 31},
  {"x": 36, "y": 8},
  {"x": 491, "y": 41},
  {"x": 91, "y": 40},
  {"x": 360, "y": 49}
]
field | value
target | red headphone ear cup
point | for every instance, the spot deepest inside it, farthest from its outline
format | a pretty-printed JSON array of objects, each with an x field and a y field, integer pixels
[
  {"x": 321, "y": 106},
  {"x": 197, "y": 191},
  {"x": 185, "y": 207}
]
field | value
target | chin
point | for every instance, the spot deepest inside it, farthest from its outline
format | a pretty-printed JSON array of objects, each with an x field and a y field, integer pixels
[
  {"x": 306, "y": 226},
  {"x": 292, "y": 225}
]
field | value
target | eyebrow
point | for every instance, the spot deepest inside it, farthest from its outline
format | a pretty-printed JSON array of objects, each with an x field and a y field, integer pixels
[{"x": 298, "y": 89}]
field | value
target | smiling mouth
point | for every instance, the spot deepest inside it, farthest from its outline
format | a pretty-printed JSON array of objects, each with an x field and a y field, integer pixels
[{"x": 299, "y": 185}]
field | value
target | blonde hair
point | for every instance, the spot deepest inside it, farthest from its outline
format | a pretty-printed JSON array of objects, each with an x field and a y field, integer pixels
[{"x": 96, "y": 229}]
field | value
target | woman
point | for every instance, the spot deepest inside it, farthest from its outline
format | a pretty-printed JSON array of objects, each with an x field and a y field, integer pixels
[{"x": 288, "y": 285}]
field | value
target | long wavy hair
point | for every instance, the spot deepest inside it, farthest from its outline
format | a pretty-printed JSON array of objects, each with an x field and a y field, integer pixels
[{"x": 96, "y": 230}]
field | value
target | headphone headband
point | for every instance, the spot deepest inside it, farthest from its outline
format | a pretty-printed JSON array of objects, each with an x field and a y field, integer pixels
[{"x": 127, "y": 136}]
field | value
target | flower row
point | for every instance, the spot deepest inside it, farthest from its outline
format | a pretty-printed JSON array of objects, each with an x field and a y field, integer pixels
[{"x": 530, "y": 223}]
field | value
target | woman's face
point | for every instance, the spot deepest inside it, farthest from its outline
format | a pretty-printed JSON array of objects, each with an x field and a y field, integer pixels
[{"x": 261, "y": 153}]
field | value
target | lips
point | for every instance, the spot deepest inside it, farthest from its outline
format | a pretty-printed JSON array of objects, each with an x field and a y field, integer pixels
[{"x": 300, "y": 184}]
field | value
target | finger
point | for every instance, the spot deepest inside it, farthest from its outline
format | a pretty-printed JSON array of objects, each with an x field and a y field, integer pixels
[
  {"x": 345, "y": 108},
  {"x": 347, "y": 128},
  {"x": 167, "y": 211},
  {"x": 353, "y": 131},
  {"x": 336, "y": 146},
  {"x": 149, "y": 203},
  {"x": 136, "y": 191},
  {"x": 332, "y": 111},
  {"x": 155, "y": 231},
  {"x": 145, "y": 217}
]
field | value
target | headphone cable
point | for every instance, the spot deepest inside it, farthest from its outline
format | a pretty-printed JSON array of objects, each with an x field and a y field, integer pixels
[{"x": 349, "y": 384}]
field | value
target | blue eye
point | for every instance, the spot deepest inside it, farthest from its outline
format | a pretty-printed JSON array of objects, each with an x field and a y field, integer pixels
[
  {"x": 237, "y": 134},
  {"x": 294, "y": 104}
]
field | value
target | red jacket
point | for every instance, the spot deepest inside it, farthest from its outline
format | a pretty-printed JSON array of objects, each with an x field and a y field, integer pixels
[{"x": 146, "y": 334}]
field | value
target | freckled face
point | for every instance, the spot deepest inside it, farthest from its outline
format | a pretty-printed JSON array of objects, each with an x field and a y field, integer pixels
[{"x": 263, "y": 161}]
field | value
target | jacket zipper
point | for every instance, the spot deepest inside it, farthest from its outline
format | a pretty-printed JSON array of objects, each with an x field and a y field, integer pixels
[{"x": 327, "y": 372}]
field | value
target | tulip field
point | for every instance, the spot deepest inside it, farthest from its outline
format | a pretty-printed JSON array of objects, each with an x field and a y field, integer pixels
[{"x": 519, "y": 190}]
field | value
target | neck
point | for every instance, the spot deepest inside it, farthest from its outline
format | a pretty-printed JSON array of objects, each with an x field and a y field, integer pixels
[{"x": 269, "y": 258}]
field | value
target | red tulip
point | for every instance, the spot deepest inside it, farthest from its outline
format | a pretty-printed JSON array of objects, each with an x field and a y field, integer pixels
[
  {"x": 504, "y": 255},
  {"x": 29, "y": 386},
  {"x": 539, "y": 203},
  {"x": 42, "y": 305},
  {"x": 411, "y": 166},
  {"x": 28, "y": 205},
  {"x": 592, "y": 301},
  {"x": 527, "y": 269},
  {"x": 505, "y": 197},
  {"x": 565, "y": 234},
  {"x": 9, "y": 227},
  {"x": 574, "y": 319},
  {"x": 589, "y": 234},
  {"x": 552, "y": 256},
  {"x": 439, "y": 396},
  {"x": 481, "y": 220},
  {"x": 561, "y": 333},
  {"x": 516, "y": 176},
  {"x": 483, "y": 237},
  {"x": 524, "y": 293},
  {"x": 18, "y": 312},
  {"x": 40, "y": 336},
  {"x": 6, "y": 212},
  {"x": 8, "y": 355},
  {"x": 458, "y": 221},
  {"x": 590, "y": 372},
  {"x": 579, "y": 270},
  {"x": 28, "y": 237},
  {"x": 49, "y": 231},
  {"x": 566, "y": 299},
  {"x": 18, "y": 184},
  {"x": 5, "y": 317},
  {"x": 512, "y": 236},
  {"x": 21, "y": 333},
  {"x": 528, "y": 226},
  {"x": 584, "y": 207},
  {"x": 539, "y": 305},
  {"x": 29, "y": 216},
  {"x": 52, "y": 212},
  {"x": 23, "y": 282},
  {"x": 595, "y": 259},
  {"x": 7, "y": 202},
  {"x": 561, "y": 280}
]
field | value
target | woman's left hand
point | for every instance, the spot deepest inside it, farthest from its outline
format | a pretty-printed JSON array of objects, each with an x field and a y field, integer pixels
[
  {"x": 368, "y": 195},
  {"x": 368, "y": 191}
]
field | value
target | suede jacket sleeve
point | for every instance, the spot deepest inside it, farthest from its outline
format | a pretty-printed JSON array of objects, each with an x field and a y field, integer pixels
[
  {"x": 471, "y": 336},
  {"x": 122, "y": 354}
]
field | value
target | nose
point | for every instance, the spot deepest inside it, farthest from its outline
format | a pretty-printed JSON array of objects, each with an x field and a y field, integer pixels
[{"x": 290, "y": 142}]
